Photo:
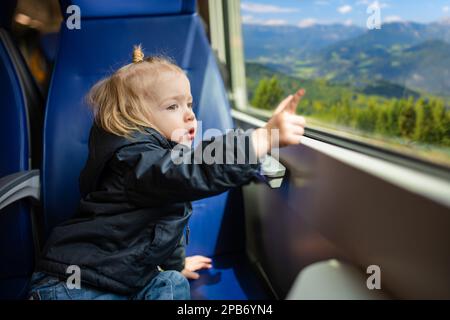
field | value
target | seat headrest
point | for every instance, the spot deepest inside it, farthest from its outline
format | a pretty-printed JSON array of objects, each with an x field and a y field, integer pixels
[
  {"x": 7, "y": 8},
  {"x": 120, "y": 8}
]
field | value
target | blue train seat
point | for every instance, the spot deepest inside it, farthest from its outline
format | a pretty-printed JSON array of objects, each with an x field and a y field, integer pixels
[
  {"x": 109, "y": 29},
  {"x": 20, "y": 144}
]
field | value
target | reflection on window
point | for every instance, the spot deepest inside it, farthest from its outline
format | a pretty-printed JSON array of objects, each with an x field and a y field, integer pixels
[{"x": 387, "y": 83}]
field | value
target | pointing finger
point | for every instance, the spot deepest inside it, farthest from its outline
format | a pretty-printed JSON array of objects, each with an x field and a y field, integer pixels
[
  {"x": 283, "y": 104},
  {"x": 292, "y": 105}
]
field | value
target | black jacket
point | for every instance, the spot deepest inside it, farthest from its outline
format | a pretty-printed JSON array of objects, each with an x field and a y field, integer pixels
[{"x": 135, "y": 205}]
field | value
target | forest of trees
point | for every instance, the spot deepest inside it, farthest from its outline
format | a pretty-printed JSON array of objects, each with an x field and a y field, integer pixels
[{"x": 424, "y": 120}]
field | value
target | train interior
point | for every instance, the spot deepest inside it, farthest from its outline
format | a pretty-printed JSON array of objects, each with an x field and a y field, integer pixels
[{"x": 338, "y": 209}]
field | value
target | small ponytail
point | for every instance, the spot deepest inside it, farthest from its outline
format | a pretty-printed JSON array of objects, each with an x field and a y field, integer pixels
[{"x": 138, "y": 54}]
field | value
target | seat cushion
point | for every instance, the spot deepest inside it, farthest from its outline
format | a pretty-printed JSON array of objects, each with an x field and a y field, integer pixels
[{"x": 231, "y": 278}]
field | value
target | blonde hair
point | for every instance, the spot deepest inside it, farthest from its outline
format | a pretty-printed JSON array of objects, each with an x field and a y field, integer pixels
[{"x": 120, "y": 101}]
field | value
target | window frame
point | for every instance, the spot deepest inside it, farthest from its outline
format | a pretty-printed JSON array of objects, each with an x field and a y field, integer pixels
[{"x": 227, "y": 39}]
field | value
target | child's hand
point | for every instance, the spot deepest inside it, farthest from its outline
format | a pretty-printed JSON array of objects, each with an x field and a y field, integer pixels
[
  {"x": 195, "y": 263},
  {"x": 290, "y": 126}
]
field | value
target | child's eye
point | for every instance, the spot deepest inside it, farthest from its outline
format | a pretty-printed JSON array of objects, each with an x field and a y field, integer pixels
[
  {"x": 190, "y": 105},
  {"x": 172, "y": 107}
]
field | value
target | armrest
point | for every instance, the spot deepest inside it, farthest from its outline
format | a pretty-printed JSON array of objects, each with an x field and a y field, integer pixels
[
  {"x": 272, "y": 172},
  {"x": 19, "y": 185}
]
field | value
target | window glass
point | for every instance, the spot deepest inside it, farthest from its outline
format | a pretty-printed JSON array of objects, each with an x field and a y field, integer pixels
[{"x": 376, "y": 71}]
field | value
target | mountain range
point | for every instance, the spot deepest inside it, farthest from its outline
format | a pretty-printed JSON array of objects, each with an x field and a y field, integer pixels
[{"x": 412, "y": 55}]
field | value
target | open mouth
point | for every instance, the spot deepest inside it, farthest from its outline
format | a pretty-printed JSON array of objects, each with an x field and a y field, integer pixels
[{"x": 191, "y": 133}]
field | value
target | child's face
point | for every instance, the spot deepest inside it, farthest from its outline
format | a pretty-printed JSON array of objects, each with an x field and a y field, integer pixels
[{"x": 172, "y": 113}]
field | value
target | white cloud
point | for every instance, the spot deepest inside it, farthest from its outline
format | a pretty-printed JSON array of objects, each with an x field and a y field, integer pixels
[
  {"x": 275, "y": 22},
  {"x": 390, "y": 19},
  {"x": 305, "y": 23},
  {"x": 446, "y": 9},
  {"x": 249, "y": 19},
  {"x": 344, "y": 9},
  {"x": 265, "y": 8}
]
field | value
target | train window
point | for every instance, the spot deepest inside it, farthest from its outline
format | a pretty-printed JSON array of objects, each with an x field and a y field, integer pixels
[{"x": 376, "y": 72}]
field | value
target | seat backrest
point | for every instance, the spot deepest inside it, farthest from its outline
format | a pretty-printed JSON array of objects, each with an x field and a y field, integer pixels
[
  {"x": 20, "y": 122},
  {"x": 13, "y": 122},
  {"x": 109, "y": 29}
]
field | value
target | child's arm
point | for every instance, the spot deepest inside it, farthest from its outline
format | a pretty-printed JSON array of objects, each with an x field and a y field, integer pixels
[{"x": 156, "y": 175}]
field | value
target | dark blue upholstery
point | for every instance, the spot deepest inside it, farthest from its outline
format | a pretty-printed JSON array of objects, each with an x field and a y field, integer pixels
[
  {"x": 93, "y": 52},
  {"x": 13, "y": 122},
  {"x": 16, "y": 241},
  {"x": 230, "y": 278}
]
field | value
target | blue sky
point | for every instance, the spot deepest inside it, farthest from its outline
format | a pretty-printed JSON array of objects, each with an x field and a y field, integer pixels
[{"x": 308, "y": 12}]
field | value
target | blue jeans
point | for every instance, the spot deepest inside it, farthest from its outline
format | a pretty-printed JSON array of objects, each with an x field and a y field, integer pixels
[{"x": 167, "y": 285}]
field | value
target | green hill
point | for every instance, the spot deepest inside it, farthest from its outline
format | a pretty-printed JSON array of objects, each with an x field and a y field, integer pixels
[{"x": 320, "y": 89}]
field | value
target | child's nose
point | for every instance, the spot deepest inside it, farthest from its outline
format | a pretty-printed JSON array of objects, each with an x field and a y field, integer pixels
[{"x": 190, "y": 115}]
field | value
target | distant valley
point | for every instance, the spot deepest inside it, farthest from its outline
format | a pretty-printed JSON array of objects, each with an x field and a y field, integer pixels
[{"x": 403, "y": 56}]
